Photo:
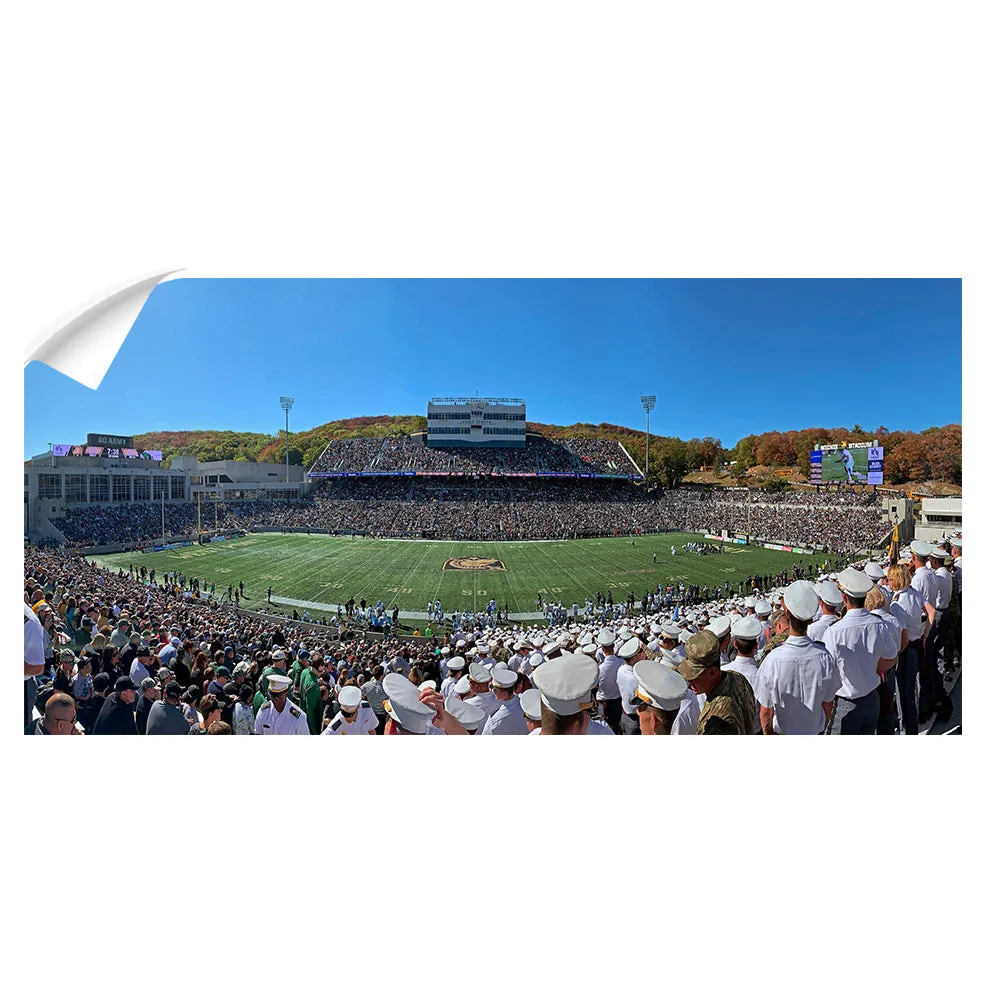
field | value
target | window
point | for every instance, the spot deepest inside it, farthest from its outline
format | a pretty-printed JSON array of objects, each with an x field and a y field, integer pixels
[
  {"x": 120, "y": 491},
  {"x": 160, "y": 490},
  {"x": 100, "y": 489},
  {"x": 76, "y": 489},
  {"x": 50, "y": 487},
  {"x": 177, "y": 487},
  {"x": 141, "y": 486}
]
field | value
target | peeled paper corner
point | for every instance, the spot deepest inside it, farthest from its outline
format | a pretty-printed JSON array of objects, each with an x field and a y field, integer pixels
[{"x": 83, "y": 343}]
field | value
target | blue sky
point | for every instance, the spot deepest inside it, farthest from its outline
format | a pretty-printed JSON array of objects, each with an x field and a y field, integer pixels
[{"x": 725, "y": 358}]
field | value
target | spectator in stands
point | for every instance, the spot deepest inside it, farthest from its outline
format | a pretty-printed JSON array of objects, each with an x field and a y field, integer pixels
[
  {"x": 166, "y": 717},
  {"x": 117, "y": 717},
  {"x": 58, "y": 718},
  {"x": 149, "y": 693}
]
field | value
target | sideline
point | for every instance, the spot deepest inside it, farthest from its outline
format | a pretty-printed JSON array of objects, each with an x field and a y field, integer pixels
[{"x": 418, "y": 615}]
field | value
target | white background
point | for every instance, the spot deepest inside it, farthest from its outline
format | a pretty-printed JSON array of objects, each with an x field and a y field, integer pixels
[{"x": 518, "y": 139}]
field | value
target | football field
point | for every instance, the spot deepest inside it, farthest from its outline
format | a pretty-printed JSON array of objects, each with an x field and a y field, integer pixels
[{"x": 324, "y": 570}]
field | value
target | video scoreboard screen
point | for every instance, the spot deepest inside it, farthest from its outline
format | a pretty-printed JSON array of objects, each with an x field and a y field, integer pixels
[{"x": 849, "y": 463}]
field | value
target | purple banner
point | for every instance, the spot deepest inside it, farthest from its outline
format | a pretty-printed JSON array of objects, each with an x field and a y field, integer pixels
[{"x": 59, "y": 450}]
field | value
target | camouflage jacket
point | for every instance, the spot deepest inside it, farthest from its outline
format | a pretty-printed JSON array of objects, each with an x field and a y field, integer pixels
[{"x": 730, "y": 709}]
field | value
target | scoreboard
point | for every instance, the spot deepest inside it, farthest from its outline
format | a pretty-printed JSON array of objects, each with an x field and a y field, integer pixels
[{"x": 850, "y": 463}]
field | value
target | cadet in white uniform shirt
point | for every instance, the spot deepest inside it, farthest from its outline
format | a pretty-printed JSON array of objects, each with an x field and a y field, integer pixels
[
  {"x": 797, "y": 682},
  {"x": 455, "y": 667},
  {"x": 631, "y": 652},
  {"x": 508, "y": 719},
  {"x": 480, "y": 679},
  {"x": 925, "y": 583},
  {"x": 830, "y": 605},
  {"x": 608, "y": 695},
  {"x": 659, "y": 694},
  {"x": 279, "y": 717},
  {"x": 355, "y": 717},
  {"x": 565, "y": 684},
  {"x": 745, "y": 634},
  {"x": 862, "y": 646}
]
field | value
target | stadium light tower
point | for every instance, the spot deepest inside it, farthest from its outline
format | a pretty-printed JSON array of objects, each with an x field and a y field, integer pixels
[
  {"x": 286, "y": 405},
  {"x": 648, "y": 402}
]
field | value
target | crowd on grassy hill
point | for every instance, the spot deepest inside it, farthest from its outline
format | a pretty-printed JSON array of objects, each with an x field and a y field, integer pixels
[
  {"x": 865, "y": 650},
  {"x": 411, "y": 454}
]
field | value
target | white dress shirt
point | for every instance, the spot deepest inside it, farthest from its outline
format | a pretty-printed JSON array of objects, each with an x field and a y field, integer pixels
[
  {"x": 817, "y": 629},
  {"x": 945, "y": 584},
  {"x": 626, "y": 688},
  {"x": 607, "y": 681},
  {"x": 507, "y": 720},
  {"x": 795, "y": 679},
  {"x": 686, "y": 721},
  {"x": 857, "y": 642},
  {"x": 363, "y": 724},
  {"x": 290, "y": 721},
  {"x": 908, "y": 606}
]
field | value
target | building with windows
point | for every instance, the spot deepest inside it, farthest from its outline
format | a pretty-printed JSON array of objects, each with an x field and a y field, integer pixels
[
  {"x": 52, "y": 483},
  {"x": 468, "y": 422},
  {"x": 939, "y": 516}
]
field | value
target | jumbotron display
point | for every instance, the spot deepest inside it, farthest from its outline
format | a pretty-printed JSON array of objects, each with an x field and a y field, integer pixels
[{"x": 858, "y": 464}]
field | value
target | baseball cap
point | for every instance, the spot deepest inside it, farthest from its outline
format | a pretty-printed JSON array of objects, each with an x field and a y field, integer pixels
[{"x": 701, "y": 652}]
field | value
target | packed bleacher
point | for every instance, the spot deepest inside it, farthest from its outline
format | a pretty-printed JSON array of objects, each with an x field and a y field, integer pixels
[
  {"x": 497, "y": 508},
  {"x": 410, "y": 454}
]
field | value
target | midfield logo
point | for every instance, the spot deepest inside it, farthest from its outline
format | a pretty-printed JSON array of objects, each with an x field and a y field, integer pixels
[{"x": 474, "y": 562}]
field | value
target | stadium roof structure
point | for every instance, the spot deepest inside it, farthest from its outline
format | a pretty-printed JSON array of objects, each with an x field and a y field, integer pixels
[{"x": 490, "y": 400}]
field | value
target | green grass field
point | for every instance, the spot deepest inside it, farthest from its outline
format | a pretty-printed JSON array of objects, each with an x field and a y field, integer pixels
[{"x": 329, "y": 570}]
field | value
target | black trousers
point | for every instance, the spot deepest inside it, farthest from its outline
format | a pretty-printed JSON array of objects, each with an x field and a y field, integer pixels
[{"x": 613, "y": 713}]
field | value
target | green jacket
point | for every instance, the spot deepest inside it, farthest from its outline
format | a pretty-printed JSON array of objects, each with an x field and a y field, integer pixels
[{"x": 311, "y": 702}]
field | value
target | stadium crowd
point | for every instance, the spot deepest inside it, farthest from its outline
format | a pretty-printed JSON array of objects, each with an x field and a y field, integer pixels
[
  {"x": 411, "y": 454},
  {"x": 507, "y": 508},
  {"x": 865, "y": 650}
]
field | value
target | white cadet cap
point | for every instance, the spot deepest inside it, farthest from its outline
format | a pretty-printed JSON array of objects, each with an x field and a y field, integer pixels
[
  {"x": 747, "y": 627},
  {"x": 469, "y": 716},
  {"x": 762, "y": 608},
  {"x": 566, "y": 683},
  {"x": 462, "y": 685},
  {"x": 720, "y": 626},
  {"x": 349, "y": 697},
  {"x": 853, "y": 582},
  {"x": 589, "y": 650},
  {"x": 427, "y": 686},
  {"x": 535, "y": 660},
  {"x": 670, "y": 630},
  {"x": 629, "y": 648},
  {"x": 956, "y": 543},
  {"x": 404, "y": 705},
  {"x": 749, "y": 602},
  {"x": 538, "y": 641},
  {"x": 278, "y": 654},
  {"x": 482, "y": 647},
  {"x": 456, "y": 663},
  {"x": 801, "y": 600},
  {"x": 938, "y": 553},
  {"x": 672, "y": 656},
  {"x": 605, "y": 637},
  {"x": 829, "y": 593},
  {"x": 921, "y": 549},
  {"x": 479, "y": 672},
  {"x": 460, "y": 644},
  {"x": 550, "y": 648},
  {"x": 685, "y": 635},
  {"x": 531, "y": 704},
  {"x": 873, "y": 570},
  {"x": 659, "y": 685},
  {"x": 277, "y": 683},
  {"x": 503, "y": 677},
  {"x": 653, "y": 645},
  {"x": 445, "y": 650}
]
